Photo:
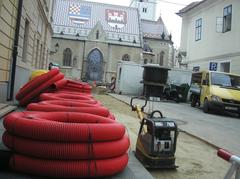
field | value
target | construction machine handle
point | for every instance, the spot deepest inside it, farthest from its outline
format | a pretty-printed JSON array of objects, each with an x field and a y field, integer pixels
[
  {"x": 157, "y": 111},
  {"x": 134, "y": 106}
]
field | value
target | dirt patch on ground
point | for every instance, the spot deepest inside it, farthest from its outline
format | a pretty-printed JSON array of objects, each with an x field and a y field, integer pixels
[{"x": 195, "y": 158}]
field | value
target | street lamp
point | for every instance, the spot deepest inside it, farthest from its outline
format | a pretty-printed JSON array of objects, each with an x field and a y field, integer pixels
[{"x": 56, "y": 47}]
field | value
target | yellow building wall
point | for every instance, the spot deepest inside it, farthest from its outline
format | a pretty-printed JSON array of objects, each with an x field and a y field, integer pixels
[{"x": 8, "y": 13}]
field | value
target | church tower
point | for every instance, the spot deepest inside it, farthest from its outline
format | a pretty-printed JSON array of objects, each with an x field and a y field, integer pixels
[{"x": 146, "y": 8}]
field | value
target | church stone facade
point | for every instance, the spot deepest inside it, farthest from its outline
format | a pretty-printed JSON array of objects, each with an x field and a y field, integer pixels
[{"x": 94, "y": 37}]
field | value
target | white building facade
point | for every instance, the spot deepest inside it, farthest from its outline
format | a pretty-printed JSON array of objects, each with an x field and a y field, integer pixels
[{"x": 210, "y": 38}]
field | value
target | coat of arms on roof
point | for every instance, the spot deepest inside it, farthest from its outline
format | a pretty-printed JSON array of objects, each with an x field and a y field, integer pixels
[
  {"x": 116, "y": 18},
  {"x": 79, "y": 14}
]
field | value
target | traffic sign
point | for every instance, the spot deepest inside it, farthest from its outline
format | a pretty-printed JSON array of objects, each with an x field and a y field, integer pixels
[{"x": 213, "y": 66}]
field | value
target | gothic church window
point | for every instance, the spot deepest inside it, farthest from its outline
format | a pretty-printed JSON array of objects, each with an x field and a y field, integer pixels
[
  {"x": 67, "y": 57},
  {"x": 145, "y": 61},
  {"x": 97, "y": 34},
  {"x": 126, "y": 57},
  {"x": 161, "y": 58},
  {"x": 75, "y": 62},
  {"x": 95, "y": 65}
]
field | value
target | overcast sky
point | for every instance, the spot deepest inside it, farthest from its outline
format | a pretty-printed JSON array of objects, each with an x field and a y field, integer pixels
[{"x": 167, "y": 9}]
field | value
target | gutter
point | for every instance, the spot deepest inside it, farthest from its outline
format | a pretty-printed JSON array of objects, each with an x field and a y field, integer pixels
[
  {"x": 180, "y": 13},
  {"x": 15, "y": 52}
]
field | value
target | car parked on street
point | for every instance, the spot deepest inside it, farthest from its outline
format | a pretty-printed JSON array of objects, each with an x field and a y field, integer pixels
[{"x": 214, "y": 90}]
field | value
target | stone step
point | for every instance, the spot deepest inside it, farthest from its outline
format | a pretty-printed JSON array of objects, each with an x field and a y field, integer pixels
[{"x": 5, "y": 109}]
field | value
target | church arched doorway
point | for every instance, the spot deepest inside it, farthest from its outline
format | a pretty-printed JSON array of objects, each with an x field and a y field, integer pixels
[{"x": 95, "y": 65}]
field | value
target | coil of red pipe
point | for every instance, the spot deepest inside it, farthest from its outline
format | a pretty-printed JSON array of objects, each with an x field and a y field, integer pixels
[
  {"x": 63, "y": 126},
  {"x": 28, "y": 87},
  {"x": 69, "y": 168}
]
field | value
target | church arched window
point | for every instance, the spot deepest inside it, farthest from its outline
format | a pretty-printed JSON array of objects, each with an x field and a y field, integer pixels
[
  {"x": 97, "y": 34},
  {"x": 67, "y": 57},
  {"x": 126, "y": 57},
  {"x": 145, "y": 61},
  {"x": 161, "y": 58}
]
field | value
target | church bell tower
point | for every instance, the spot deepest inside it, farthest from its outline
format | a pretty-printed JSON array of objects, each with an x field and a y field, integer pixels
[{"x": 146, "y": 8}]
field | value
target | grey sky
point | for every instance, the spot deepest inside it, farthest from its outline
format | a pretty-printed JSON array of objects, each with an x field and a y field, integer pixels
[{"x": 167, "y": 9}]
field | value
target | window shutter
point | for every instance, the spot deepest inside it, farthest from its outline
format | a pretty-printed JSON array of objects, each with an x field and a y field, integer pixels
[{"x": 219, "y": 24}]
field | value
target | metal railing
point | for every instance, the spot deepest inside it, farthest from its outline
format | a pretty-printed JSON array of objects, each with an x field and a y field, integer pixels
[{"x": 234, "y": 160}]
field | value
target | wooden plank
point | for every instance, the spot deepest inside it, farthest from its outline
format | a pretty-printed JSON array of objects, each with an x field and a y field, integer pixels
[
  {"x": 3, "y": 105},
  {"x": 7, "y": 109}
]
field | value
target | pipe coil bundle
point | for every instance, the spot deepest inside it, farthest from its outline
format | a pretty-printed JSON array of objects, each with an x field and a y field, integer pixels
[{"x": 67, "y": 133}]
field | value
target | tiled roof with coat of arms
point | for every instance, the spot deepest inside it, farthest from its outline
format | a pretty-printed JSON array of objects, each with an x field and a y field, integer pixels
[{"x": 73, "y": 17}]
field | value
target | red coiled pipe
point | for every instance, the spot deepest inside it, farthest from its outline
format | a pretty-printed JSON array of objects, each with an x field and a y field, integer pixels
[
  {"x": 35, "y": 92},
  {"x": 69, "y": 103},
  {"x": 63, "y": 127},
  {"x": 69, "y": 168},
  {"x": 97, "y": 110},
  {"x": 68, "y": 151},
  {"x": 31, "y": 85},
  {"x": 64, "y": 96}
]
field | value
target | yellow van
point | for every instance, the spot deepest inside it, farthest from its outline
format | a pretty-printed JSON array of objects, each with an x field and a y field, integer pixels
[{"x": 217, "y": 91}]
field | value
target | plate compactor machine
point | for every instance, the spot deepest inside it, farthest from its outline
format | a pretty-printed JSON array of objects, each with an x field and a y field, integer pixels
[{"x": 157, "y": 139}]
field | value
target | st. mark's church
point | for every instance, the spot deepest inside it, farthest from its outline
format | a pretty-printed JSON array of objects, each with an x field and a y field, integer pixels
[{"x": 94, "y": 37}]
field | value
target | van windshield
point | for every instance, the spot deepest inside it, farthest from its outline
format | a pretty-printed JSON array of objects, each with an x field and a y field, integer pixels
[{"x": 226, "y": 80}]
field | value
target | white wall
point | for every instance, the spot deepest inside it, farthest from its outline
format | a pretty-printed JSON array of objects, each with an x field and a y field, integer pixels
[
  {"x": 213, "y": 46},
  {"x": 129, "y": 75}
]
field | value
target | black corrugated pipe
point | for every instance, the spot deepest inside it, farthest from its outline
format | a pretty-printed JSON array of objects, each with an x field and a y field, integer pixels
[{"x": 15, "y": 51}]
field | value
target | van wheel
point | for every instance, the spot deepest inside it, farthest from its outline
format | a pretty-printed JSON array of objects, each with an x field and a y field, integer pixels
[{"x": 206, "y": 106}]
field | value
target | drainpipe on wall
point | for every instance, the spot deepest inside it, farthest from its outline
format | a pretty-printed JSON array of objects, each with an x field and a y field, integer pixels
[
  {"x": 83, "y": 63},
  {"x": 15, "y": 53}
]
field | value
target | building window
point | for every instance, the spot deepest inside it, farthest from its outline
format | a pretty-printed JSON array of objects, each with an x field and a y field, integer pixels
[
  {"x": 196, "y": 68},
  {"x": 41, "y": 60},
  {"x": 161, "y": 58},
  {"x": 97, "y": 34},
  {"x": 25, "y": 41},
  {"x": 227, "y": 18},
  {"x": 40, "y": 24},
  {"x": 144, "y": 10},
  {"x": 95, "y": 65},
  {"x": 145, "y": 61},
  {"x": 75, "y": 62},
  {"x": 67, "y": 57},
  {"x": 225, "y": 67},
  {"x": 37, "y": 54},
  {"x": 126, "y": 57},
  {"x": 198, "y": 29}
]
